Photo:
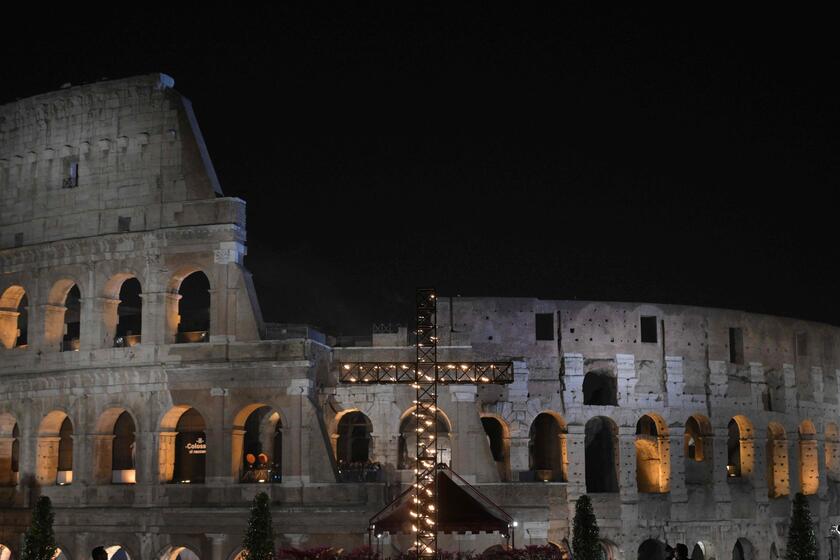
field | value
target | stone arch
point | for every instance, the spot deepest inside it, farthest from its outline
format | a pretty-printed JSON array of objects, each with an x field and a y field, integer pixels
[
  {"x": 14, "y": 317},
  {"x": 54, "y": 464},
  {"x": 117, "y": 552},
  {"x": 498, "y": 436},
  {"x": 601, "y": 455},
  {"x": 778, "y": 475},
  {"x": 178, "y": 553},
  {"x": 407, "y": 441},
  {"x": 739, "y": 447},
  {"x": 832, "y": 451},
  {"x": 809, "y": 462},
  {"x": 610, "y": 550},
  {"x": 114, "y": 447},
  {"x": 703, "y": 550},
  {"x": 651, "y": 549},
  {"x": 63, "y": 316},
  {"x": 743, "y": 550},
  {"x": 547, "y": 456},
  {"x": 188, "y": 308},
  {"x": 182, "y": 446},
  {"x": 698, "y": 450},
  {"x": 653, "y": 455},
  {"x": 600, "y": 387},
  {"x": 128, "y": 323},
  {"x": 257, "y": 430},
  {"x": 9, "y": 450}
]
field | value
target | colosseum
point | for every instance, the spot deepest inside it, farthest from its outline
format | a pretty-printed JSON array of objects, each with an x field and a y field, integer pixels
[{"x": 142, "y": 391}]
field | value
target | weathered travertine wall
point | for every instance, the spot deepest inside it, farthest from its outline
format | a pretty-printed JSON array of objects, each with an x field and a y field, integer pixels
[{"x": 699, "y": 437}]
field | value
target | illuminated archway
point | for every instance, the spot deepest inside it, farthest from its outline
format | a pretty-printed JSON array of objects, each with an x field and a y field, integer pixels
[
  {"x": 407, "y": 442},
  {"x": 739, "y": 447},
  {"x": 14, "y": 317},
  {"x": 809, "y": 463},
  {"x": 547, "y": 448},
  {"x": 128, "y": 330},
  {"x": 54, "y": 464},
  {"x": 182, "y": 448},
  {"x": 778, "y": 476},
  {"x": 653, "y": 455},
  {"x": 114, "y": 448},
  {"x": 698, "y": 450},
  {"x": 194, "y": 308},
  {"x": 601, "y": 455},
  {"x": 5, "y": 552},
  {"x": 257, "y": 445},
  {"x": 498, "y": 437},
  {"x": 9, "y": 450}
]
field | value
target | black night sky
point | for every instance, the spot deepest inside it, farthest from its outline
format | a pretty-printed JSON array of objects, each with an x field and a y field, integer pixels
[{"x": 610, "y": 155}]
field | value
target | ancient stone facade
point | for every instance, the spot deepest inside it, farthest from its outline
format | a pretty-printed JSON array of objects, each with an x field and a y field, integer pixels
[{"x": 141, "y": 391}]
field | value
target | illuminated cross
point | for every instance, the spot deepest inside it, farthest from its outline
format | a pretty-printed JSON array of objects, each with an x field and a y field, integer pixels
[{"x": 424, "y": 374}]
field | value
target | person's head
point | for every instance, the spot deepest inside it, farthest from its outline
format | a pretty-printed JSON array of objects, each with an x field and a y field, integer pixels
[{"x": 99, "y": 553}]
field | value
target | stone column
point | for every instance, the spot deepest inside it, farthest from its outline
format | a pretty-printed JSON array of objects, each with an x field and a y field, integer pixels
[
  {"x": 625, "y": 369},
  {"x": 166, "y": 456},
  {"x": 677, "y": 482},
  {"x": 217, "y": 543},
  {"x": 573, "y": 367},
  {"x": 8, "y": 327},
  {"x": 46, "y": 460},
  {"x": 237, "y": 451},
  {"x": 53, "y": 327},
  {"x": 100, "y": 323},
  {"x": 577, "y": 461},
  {"x": 675, "y": 382},
  {"x": 721, "y": 484},
  {"x": 145, "y": 451},
  {"x": 159, "y": 317},
  {"x": 102, "y": 446},
  {"x": 6, "y": 475},
  {"x": 627, "y": 464}
]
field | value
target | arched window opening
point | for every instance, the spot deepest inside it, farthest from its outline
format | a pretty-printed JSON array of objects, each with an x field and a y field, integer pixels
[
  {"x": 653, "y": 467},
  {"x": 72, "y": 320},
  {"x": 9, "y": 450},
  {"x": 739, "y": 448},
  {"x": 190, "y": 448},
  {"x": 698, "y": 451},
  {"x": 809, "y": 466},
  {"x": 778, "y": 481},
  {"x": 601, "y": 455},
  {"x": 122, "y": 451},
  {"x": 129, "y": 314},
  {"x": 14, "y": 320},
  {"x": 743, "y": 550},
  {"x": 353, "y": 449},
  {"x": 499, "y": 445},
  {"x": 194, "y": 308},
  {"x": 832, "y": 451},
  {"x": 407, "y": 444},
  {"x": 180, "y": 553},
  {"x": 262, "y": 447},
  {"x": 652, "y": 549},
  {"x": 117, "y": 552},
  {"x": 600, "y": 388},
  {"x": 547, "y": 449},
  {"x": 65, "y": 453}
]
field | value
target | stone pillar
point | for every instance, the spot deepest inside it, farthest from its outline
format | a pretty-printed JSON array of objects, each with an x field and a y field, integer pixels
[
  {"x": 625, "y": 369},
  {"x": 82, "y": 458},
  {"x": 46, "y": 460},
  {"x": 159, "y": 317},
  {"x": 53, "y": 327},
  {"x": 677, "y": 482},
  {"x": 145, "y": 451},
  {"x": 102, "y": 446},
  {"x": 166, "y": 456},
  {"x": 817, "y": 384},
  {"x": 99, "y": 324},
  {"x": 627, "y": 464},
  {"x": 217, "y": 543},
  {"x": 577, "y": 461},
  {"x": 8, "y": 327},
  {"x": 758, "y": 385},
  {"x": 721, "y": 484},
  {"x": 6, "y": 475},
  {"x": 237, "y": 451},
  {"x": 758, "y": 476},
  {"x": 791, "y": 393}
]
